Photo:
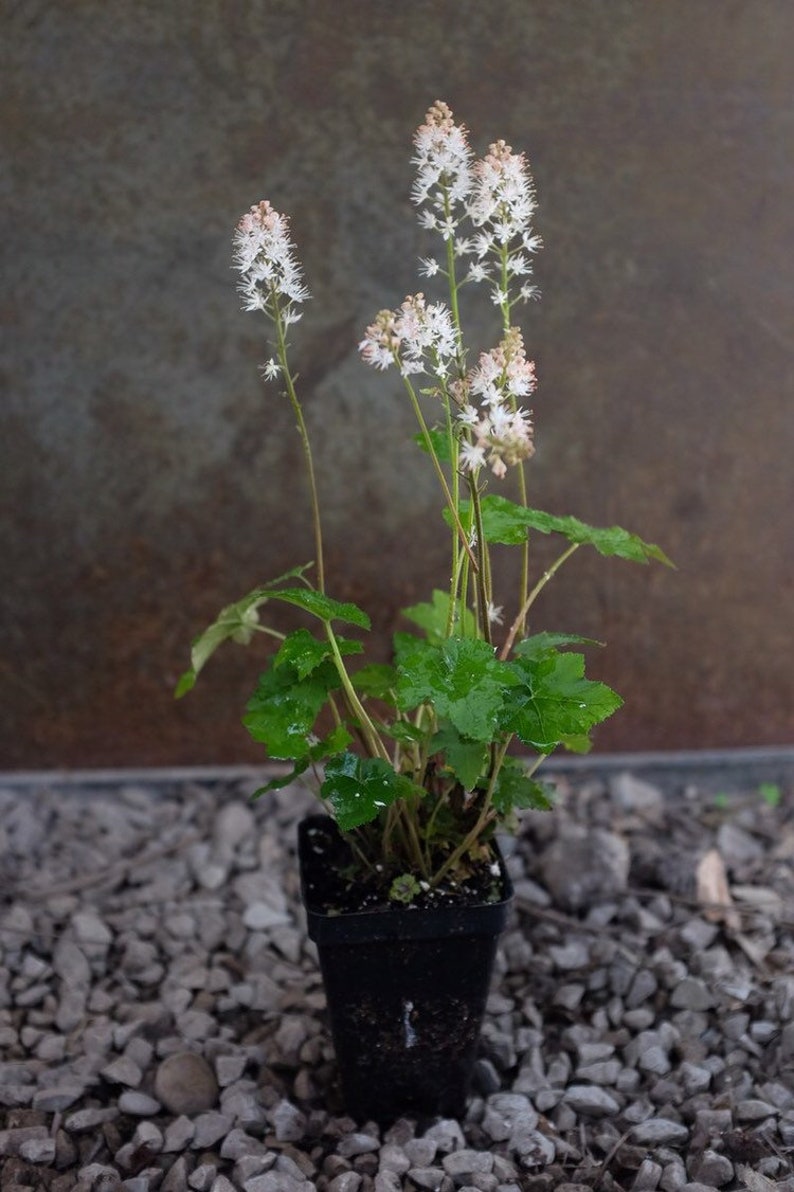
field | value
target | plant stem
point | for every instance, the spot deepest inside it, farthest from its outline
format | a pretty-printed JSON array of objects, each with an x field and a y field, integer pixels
[
  {"x": 530, "y": 600},
  {"x": 370, "y": 733},
  {"x": 487, "y": 813},
  {"x": 281, "y": 349},
  {"x": 451, "y": 505},
  {"x": 483, "y": 574}
]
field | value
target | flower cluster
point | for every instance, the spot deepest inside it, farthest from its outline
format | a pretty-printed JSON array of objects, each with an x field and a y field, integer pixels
[
  {"x": 443, "y": 161},
  {"x": 502, "y": 198},
  {"x": 500, "y": 433},
  {"x": 414, "y": 336},
  {"x": 496, "y": 195},
  {"x": 271, "y": 276}
]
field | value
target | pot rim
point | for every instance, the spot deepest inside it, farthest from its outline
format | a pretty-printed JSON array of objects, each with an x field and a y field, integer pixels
[{"x": 389, "y": 923}]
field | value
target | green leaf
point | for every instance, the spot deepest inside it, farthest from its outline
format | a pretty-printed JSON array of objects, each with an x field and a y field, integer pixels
[
  {"x": 238, "y": 621},
  {"x": 544, "y": 643},
  {"x": 322, "y": 606},
  {"x": 305, "y": 652},
  {"x": 404, "y": 731},
  {"x": 577, "y": 744},
  {"x": 506, "y": 522},
  {"x": 282, "y": 711},
  {"x": 461, "y": 678},
  {"x": 404, "y": 888},
  {"x": 770, "y": 793},
  {"x": 554, "y": 703},
  {"x": 338, "y": 739},
  {"x": 358, "y": 789},
  {"x": 433, "y": 617},
  {"x": 377, "y": 680},
  {"x": 515, "y": 791},
  {"x": 440, "y": 443},
  {"x": 467, "y": 759}
]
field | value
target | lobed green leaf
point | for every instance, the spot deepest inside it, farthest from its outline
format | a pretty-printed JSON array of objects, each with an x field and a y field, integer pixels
[
  {"x": 339, "y": 738},
  {"x": 461, "y": 678},
  {"x": 284, "y": 707},
  {"x": 433, "y": 617},
  {"x": 302, "y": 650},
  {"x": 359, "y": 788},
  {"x": 516, "y": 791},
  {"x": 238, "y": 621},
  {"x": 506, "y": 522},
  {"x": 554, "y": 704},
  {"x": 467, "y": 759},
  {"x": 440, "y": 443},
  {"x": 322, "y": 606},
  {"x": 378, "y": 680},
  {"x": 541, "y": 644}
]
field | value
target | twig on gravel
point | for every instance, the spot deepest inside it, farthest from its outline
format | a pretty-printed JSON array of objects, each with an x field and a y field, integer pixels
[{"x": 610, "y": 1156}]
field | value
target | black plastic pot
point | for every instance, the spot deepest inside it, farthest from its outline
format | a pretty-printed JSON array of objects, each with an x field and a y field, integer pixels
[{"x": 406, "y": 993}]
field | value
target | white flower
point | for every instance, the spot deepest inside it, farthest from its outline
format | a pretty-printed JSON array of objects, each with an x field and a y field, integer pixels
[
  {"x": 415, "y": 334},
  {"x": 381, "y": 341},
  {"x": 478, "y": 273},
  {"x": 271, "y": 369},
  {"x": 443, "y": 161},
  {"x": 264, "y": 255},
  {"x": 472, "y": 456},
  {"x": 518, "y": 265},
  {"x": 502, "y": 200},
  {"x": 428, "y": 266},
  {"x": 495, "y": 613},
  {"x": 469, "y": 416},
  {"x": 501, "y": 432}
]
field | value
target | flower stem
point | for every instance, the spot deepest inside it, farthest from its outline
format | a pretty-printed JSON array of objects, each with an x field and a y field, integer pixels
[
  {"x": 530, "y": 600},
  {"x": 451, "y": 505},
  {"x": 368, "y": 730},
  {"x": 281, "y": 349}
]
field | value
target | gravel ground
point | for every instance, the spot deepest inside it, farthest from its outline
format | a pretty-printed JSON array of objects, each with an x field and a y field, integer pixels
[{"x": 162, "y": 1020}]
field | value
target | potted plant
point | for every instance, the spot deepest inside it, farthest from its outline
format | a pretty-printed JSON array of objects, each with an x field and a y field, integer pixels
[{"x": 423, "y": 759}]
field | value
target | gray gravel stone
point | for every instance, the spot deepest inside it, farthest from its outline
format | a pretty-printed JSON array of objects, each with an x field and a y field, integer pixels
[
  {"x": 288, "y": 1121},
  {"x": 590, "y": 1100},
  {"x": 466, "y": 1162},
  {"x": 582, "y": 866},
  {"x": 210, "y": 1129},
  {"x": 656, "y": 1131},
  {"x": 754, "y": 1110},
  {"x": 692, "y": 994},
  {"x": 123, "y": 1071},
  {"x": 713, "y": 1169},
  {"x": 138, "y": 1104},
  {"x": 388, "y": 1181},
  {"x": 178, "y": 1135},
  {"x": 426, "y": 1179},
  {"x": 56, "y": 1100},
  {"x": 649, "y": 1173}
]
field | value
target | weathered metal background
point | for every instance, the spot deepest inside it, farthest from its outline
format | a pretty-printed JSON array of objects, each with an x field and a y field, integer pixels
[{"x": 147, "y": 475}]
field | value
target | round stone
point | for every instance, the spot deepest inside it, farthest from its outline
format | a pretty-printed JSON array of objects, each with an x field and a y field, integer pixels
[{"x": 185, "y": 1083}]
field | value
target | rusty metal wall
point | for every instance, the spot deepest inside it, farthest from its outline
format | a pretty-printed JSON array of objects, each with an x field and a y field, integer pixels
[{"x": 147, "y": 475}]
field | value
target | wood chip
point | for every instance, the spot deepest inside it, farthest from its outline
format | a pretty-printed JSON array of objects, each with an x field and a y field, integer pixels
[{"x": 713, "y": 892}]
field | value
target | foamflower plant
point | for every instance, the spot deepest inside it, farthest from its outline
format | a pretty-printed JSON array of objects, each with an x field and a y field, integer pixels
[{"x": 420, "y": 761}]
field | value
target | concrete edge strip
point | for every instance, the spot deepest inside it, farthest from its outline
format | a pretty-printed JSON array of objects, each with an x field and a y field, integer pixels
[{"x": 671, "y": 761}]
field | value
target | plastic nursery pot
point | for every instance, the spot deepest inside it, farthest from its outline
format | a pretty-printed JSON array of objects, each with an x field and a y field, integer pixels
[{"x": 406, "y": 991}]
